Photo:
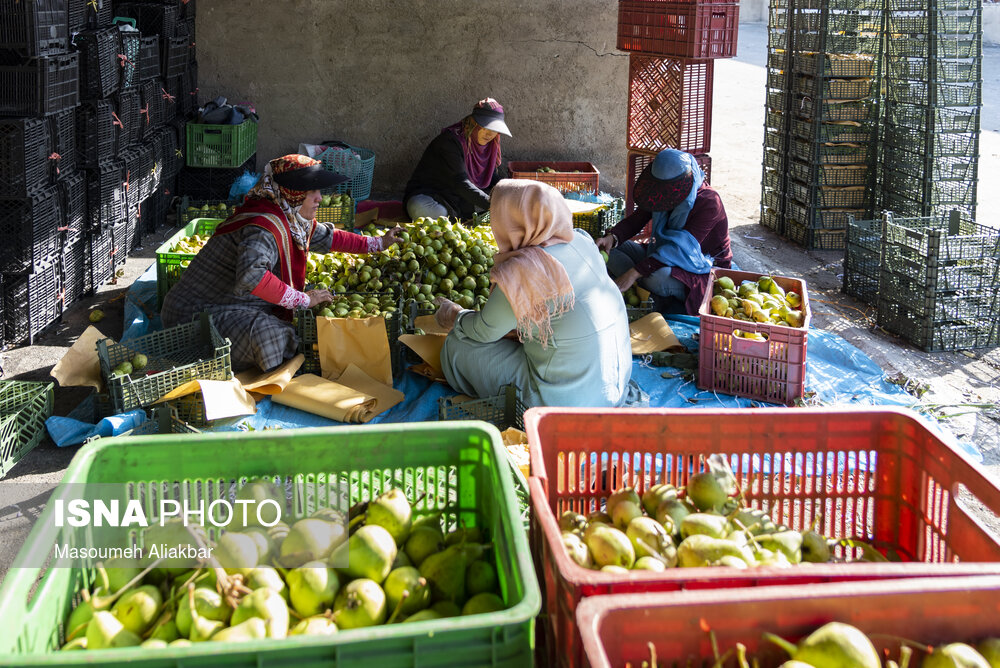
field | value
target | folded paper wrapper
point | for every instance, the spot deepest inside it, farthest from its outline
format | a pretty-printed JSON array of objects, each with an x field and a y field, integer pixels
[
  {"x": 359, "y": 341},
  {"x": 80, "y": 366},
  {"x": 355, "y": 397},
  {"x": 221, "y": 398},
  {"x": 262, "y": 384},
  {"x": 428, "y": 346},
  {"x": 651, "y": 334}
]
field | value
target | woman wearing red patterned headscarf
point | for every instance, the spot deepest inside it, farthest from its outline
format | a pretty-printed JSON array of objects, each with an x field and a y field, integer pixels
[
  {"x": 251, "y": 273},
  {"x": 459, "y": 167}
]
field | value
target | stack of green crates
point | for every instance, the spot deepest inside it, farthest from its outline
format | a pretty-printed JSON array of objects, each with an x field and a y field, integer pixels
[
  {"x": 933, "y": 89},
  {"x": 820, "y": 120}
]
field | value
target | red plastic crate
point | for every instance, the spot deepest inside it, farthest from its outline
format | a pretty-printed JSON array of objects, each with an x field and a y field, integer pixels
[
  {"x": 678, "y": 29},
  {"x": 568, "y": 177},
  {"x": 772, "y": 370},
  {"x": 616, "y": 629},
  {"x": 669, "y": 104},
  {"x": 637, "y": 161},
  {"x": 900, "y": 497}
]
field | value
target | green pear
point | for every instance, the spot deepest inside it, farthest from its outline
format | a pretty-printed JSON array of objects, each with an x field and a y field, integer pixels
[
  {"x": 650, "y": 539},
  {"x": 756, "y": 521},
  {"x": 153, "y": 643},
  {"x": 253, "y": 628},
  {"x": 815, "y": 548},
  {"x": 120, "y": 573},
  {"x": 137, "y": 609},
  {"x": 955, "y": 655},
  {"x": 208, "y": 604},
  {"x": 446, "y": 609},
  {"x": 320, "y": 625},
  {"x": 483, "y": 603},
  {"x": 391, "y": 511},
  {"x": 265, "y": 542},
  {"x": 571, "y": 521},
  {"x": 767, "y": 557},
  {"x": 360, "y": 603},
  {"x": 706, "y": 524},
  {"x": 236, "y": 552},
  {"x": 833, "y": 645},
  {"x": 655, "y": 495},
  {"x": 166, "y": 629},
  {"x": 401, "y": 560},
  {"x": 369, "y": 553},
  {"x": 730, "y": 562},
  {"x": 175, "y": 534},
  {"x": 312, "y": 588},
  {"x": 701, "y": 550},
  {"x": 423, "y": 616},
  {"x": 599, "y": 517},
  {"x": 705, "y": 491},
  {"x": 445, "y": 571},
  {"x": 408, "y": 580},
  {"x": 464, "y": 535},
  {"x": 433, "y": 520},
  {"x": 311, "y": 539},
  {"x": 105, "y": 631},
  {"x": 259, "y": 492},
  {"x": 266, "y": 576},
  {"x": 614, "y": 568},
  {"x": 624, "y": 512},
  {"x": 610, "y": 547},
  {"x": 74, "y": 644},
  {"x": 990, "y": 649},
  {"x": 268, "y": 605},
  {"x": 480, "y": 577},
  {"x": 180, "y": 642},
  {"x": 423, "y": 541},
  {"x": 787, "y": 542},
  {"x": 671, "y": 514},
  {"x": 649, "y": 564},
  {"x": 577, "y": 550},
  {"x": 624, "y": 495},
  {"x": 76, "y": 623}
]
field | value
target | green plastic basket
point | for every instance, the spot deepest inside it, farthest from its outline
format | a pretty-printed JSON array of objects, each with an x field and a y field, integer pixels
[
  {"x": 464, "y": 463},
  {"x": 597, "y": 222},
  {"x": 220, "y": 145},
  {"x": 170, "y": 265},
  {"x": 188, "y": 210},
  {"x": 341, "y": 216},
  {"x": 191, "y": 351},
  {"x": 24, "y": 407}
]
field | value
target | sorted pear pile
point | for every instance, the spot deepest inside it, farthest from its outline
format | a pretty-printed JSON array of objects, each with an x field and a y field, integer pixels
[
  {"x": 323, "y": 573},
  {"x": 702, "y": 524},
  {"x": 191, "y": 245},
  {"x": 762, "y": 301}
]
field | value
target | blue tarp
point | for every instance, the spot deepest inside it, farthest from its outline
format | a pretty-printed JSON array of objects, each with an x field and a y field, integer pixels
[{"x": 838, "y": 373}]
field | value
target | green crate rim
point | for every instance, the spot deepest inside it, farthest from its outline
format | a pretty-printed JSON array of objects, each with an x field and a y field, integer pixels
[
  {"x": 168, "y": 262},
  {"x": 244, "y": 144}
]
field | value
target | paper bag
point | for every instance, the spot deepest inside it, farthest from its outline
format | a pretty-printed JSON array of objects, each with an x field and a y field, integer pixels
[
  {"x": 267, "y": 383},
  {"x": 385, "y": 396},
  {"x": 428, "y": 346},
  {"x": 362, "y": 342},
  {"x": 429, "y": 325},
  {"x": 516, "y": 443},
  {"x": 651, "y": 334},
  {"x": 222, "y": 398},
  {"x": 327, "y": 398},
  {"x": 80, "y": 366}
]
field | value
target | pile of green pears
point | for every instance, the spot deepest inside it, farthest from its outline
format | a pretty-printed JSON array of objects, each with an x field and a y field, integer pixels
[
  {"x": 322, "y": 574},
  {"x": 839, "y": 645},
  {"x": 704, "y": 524}
]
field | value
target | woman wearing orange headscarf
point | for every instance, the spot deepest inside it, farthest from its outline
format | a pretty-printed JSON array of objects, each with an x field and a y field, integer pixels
[{"x": 553, "y": 289}]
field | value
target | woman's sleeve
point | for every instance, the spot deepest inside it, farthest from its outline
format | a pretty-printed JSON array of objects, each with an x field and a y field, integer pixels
[
  {"x": 326, "y": 239},
  {"x": 491, "y": 324},
  {"x": 256, "y": 255},
  {"x": 630, "y": 226},
  {"x": 451, "y": 153}
]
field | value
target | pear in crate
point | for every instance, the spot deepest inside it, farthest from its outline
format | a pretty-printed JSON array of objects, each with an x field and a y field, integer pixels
[
  {"x": 833, "y": 645},
  {"x": 268, "y": 605},
  {"x": 360, "y": 603},
  {"x": 312, "y": 588}
]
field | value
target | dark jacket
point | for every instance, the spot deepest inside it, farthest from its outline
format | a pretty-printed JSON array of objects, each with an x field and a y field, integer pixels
[{"x": 441, "y": 174}]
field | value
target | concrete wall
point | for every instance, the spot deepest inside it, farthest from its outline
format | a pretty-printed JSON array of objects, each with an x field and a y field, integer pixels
[{"x": 389, "y": 74}]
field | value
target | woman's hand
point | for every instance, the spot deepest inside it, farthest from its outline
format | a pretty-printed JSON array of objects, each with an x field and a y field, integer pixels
[
  {"x": 626, "y": 280},
  {"x": 447, "y": 312},
  {"x": 606, "y": 243},
  {"x": 319, "y": 297},
  {"x": 391, "y": 238}
]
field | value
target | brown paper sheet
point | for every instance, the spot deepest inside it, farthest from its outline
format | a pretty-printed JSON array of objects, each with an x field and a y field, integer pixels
[
  {"x": 327, "y": 398},
  {"x": 429, "y": 324},
  {"x": 222, "y": 398},
  {"x": 385, "y": 396},
  {"x": 516, "y": 442},
  {"x": 427, "y": 371},
  {"x": 651, "y": 334},
  {"x": 362, "y": 342},
  {"x": 268, "y": 383},
  {"x": 80, "y": 366},
  {"x": 428, "y": 346}
]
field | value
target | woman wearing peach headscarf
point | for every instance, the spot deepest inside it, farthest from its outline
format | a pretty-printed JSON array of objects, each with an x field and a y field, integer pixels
[{"x": 572, "y": 343}]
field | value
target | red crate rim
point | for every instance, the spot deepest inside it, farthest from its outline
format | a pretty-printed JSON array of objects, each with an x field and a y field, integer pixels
[{"x": 560, "y": 167}]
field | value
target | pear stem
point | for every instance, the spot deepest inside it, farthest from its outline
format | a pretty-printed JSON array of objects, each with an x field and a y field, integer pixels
[
  {"x": 103, "y": 602},
  {"x": 781, "y": 642},
  {"x": 652, "y": 655},
  {"x": 905, "y": 653},
  {"x": 904, "y": 642},
  {"x": 164, "y": 618},
  {"x": 741, "y": 655},
  {"x": 399, "y": 606}
]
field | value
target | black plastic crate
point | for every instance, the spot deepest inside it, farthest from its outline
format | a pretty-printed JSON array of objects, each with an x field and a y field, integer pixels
[
  {"x": 844, "y": 132},
  {"x": 75, "y": 273},
  {"x": 211, "y": 183},
  {"x": 932, "y": 118},
  {"x": 99, "y": 13},
  {"x": 34, "y": 27},
  {"x": 130, "y": 177},
  {"x": 97, "y": 132},
  {"x": 831, "y": 154},
  {"x": 821, "y": 20},
  {"x": 934, "y": 69},
  {"x": 30, "y": 230},
  {"x": 830, "y": 175},
  {"x": 62, "y": 129},
  {"x": 149, "y": 171},
  {"x": 128, "y": 56},
  {"x": 931, "y": 143},
  {"x": 39, "y": 86},
  {"x": 936, "y": 94},
  {"x": 171, "y": 98},
  {"x": 153, "y": 212},
  {"x": 189, "y": 85},
  {"x": 24, "y": 155},
  {"x": 98, "y": 50},
  {"x": 174, "y": 56},
  {"x": 819, "y": 218},
  {"x": 73, "y": 202},
  {"x": 106, "y": 194},
  {"x": 931, "y": 22},
  {"x": 940, "y": 45},
  {"x": 152, "y": 18},
  {"x": 128, "y": 104},
  {"x": 936, "y": 168},
  {"x": 99, "y": 261},
  {"x": 833, "y": 197},
  {"x": 861, "y": 259},
  {"x": 170, "y": 148},
  {"x": 76, "y": 15},
  {"x": 814, "y": 238},
  {"x": 848, "y": 66},
  {"x": 805, "y": 106},
  {"x": 827, "y": 88},
  {"x": 149, "y": 58},
  {"x": 32, "y": 302},
  {"x": 152, "y": 105}
]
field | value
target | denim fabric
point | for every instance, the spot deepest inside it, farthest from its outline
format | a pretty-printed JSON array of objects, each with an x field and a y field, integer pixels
[{"x": 424, "y": 206}]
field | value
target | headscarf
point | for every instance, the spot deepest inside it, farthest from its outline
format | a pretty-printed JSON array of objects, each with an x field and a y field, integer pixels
[
  {"x": 669, "y": 189},
  {"x": 290, "y": 201},
  {"x": 480, "y": 161},
  {"x": 527, "y": 216}
]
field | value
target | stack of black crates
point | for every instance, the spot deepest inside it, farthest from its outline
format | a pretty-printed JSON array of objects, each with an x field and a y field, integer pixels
[
  {"x": 673, "y": 47},
  {"x": 92, "y": 115},
  {"x": 821, "y": 118}
]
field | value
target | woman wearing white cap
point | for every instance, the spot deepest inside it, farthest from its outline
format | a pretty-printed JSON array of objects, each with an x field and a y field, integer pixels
[{"x": 459, "y": 167}]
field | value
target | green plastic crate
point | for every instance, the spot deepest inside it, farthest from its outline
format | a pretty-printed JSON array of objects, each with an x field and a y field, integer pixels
[
  {"x": 194, "y": 350},
  {"x": 597, "y": 222},
  {"x": 341, "y": 216},
  {"x": 463, "y": 462},
  {"x": 24, "y": 407},
  {"x": 188, "y": 209},
  {"x": 170, "y": 264},
  {"x": 220, "y": 145}
]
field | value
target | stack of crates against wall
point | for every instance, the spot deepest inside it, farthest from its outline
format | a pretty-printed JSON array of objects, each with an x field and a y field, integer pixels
[
  {"x": 933, "y": 92},
  {"x": 820, "y": 119}
]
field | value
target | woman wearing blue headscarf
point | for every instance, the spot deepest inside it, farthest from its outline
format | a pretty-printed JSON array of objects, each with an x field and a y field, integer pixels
[{"x": 690, "y": 232}]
